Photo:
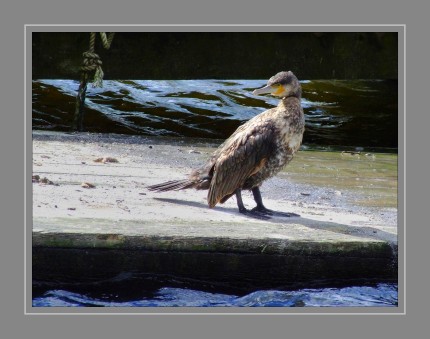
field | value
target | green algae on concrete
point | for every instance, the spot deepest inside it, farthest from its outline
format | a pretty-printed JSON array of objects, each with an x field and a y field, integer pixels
[
  {"x": 372, "y": 176},
  {"x": 209, "y": 237},
  {"x": 219, "y": 245}
]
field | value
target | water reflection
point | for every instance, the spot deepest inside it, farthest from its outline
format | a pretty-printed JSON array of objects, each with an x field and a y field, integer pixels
[{"x": 356, "y": 113}]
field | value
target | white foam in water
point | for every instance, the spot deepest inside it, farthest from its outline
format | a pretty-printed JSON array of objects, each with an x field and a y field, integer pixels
[
  {"x": 357, "y": 113},
  {"x": 382, "y": 295}
]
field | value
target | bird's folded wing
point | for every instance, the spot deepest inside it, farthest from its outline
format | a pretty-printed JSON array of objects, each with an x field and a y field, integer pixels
[{"x": 242, "y": 158}]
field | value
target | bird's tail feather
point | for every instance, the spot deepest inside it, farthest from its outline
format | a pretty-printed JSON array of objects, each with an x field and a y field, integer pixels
[{"x": 173, "y": 185}]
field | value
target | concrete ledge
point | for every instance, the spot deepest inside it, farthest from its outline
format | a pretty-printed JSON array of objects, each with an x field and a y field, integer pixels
[
  {"x": 210, "y": 237},
  {"x": 88, "y": 234}
]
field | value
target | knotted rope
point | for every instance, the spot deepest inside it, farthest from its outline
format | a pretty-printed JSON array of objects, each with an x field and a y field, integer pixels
[{"x": 91, "y": 62}]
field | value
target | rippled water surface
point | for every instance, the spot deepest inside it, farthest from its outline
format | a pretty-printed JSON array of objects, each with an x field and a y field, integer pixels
[
  {"x": 382, "y": 295},
  {"x": 351, "y": 113}
]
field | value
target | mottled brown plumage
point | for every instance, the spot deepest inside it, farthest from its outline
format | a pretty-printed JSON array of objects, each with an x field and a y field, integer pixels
[{"x": 256, "y": 151}]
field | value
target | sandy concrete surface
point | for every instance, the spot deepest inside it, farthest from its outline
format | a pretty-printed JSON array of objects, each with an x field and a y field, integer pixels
[{"x": 119, "y": 203}]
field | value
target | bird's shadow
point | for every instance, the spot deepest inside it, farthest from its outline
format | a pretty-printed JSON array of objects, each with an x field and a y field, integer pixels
[
  {"x": 360, "y": 231},
  {"x": 229, "y": 210}
]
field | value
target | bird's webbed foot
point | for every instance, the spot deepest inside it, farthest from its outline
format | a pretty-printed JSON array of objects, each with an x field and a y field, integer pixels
[
  {"x": 254, "y": 214},
  {"x": 245, "y": 211},
  {"x": 261, "y": 210}
]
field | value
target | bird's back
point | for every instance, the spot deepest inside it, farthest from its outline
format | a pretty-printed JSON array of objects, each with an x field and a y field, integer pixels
[{"x": 257, "y": 150}]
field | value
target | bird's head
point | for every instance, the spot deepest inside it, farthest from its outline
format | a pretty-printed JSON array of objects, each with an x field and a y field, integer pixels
[{"x": 283, "y": 84}]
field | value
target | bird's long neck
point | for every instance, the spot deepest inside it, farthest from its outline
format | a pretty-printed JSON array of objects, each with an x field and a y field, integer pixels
[
  {"x": 294, "y": 91},
  {"x": 286, "y": 101}
]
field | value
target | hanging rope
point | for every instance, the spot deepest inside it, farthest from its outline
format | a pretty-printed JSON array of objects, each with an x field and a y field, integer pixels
[{"x": 91, "y": 63}]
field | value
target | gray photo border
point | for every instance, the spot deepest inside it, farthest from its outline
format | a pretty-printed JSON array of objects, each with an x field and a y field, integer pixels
[
  {"x": 400, "y": 29},
  {"x": 414, "y": 15}
]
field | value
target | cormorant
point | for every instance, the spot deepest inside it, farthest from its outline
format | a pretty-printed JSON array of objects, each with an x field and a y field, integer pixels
[{"x": 256, "y": 151}]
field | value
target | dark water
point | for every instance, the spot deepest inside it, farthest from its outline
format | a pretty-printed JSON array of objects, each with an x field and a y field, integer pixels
[
  {"x": 382, "y": 295},
  {"x": 347, "y": 113}
]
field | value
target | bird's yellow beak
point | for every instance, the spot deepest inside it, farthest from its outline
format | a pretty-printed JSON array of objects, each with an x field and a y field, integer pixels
[{"x": 275, "y": 90}]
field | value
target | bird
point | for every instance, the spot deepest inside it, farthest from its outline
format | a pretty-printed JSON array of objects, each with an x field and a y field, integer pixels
[{"x": 255, "y": 152}]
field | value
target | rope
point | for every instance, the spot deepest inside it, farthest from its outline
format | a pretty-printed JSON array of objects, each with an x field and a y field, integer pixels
[
  {"x": 107, "y": 40},
  {"x": 91, "y": 62}
]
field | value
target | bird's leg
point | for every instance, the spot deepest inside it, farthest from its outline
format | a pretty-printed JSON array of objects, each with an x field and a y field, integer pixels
[
  {"x": 240, "y": 204},
  {"x": 258, "y": 199},
  {"x": 243, "y": 210},
  {"x": 260, "y": 208}
]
